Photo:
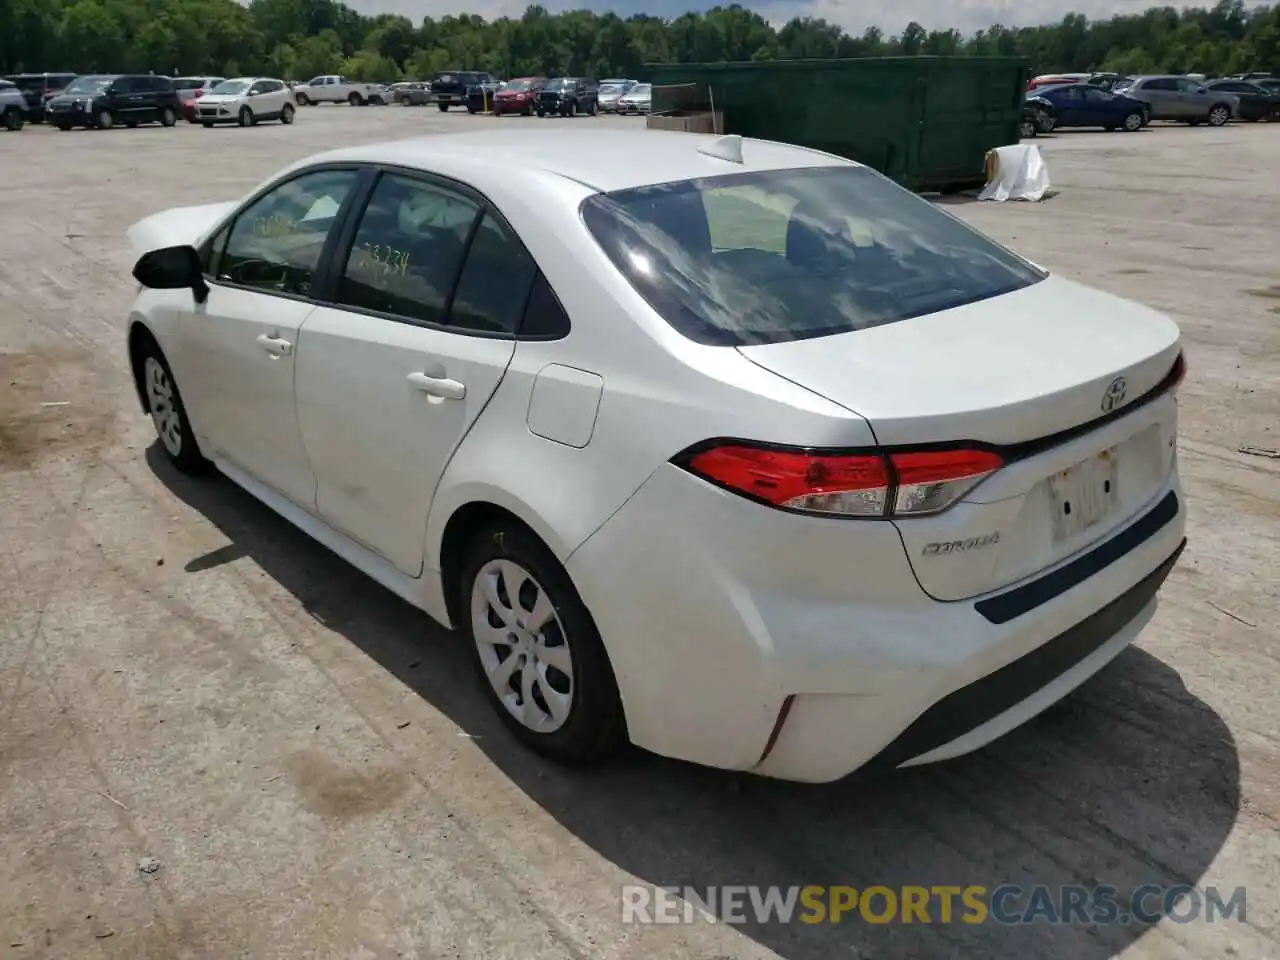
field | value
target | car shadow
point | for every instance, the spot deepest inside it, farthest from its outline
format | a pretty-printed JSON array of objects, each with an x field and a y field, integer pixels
[{"x": 1130, "y": 781}]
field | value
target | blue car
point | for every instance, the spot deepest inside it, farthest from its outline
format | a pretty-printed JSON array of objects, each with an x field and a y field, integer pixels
[{"x": 1085, "y": 105}]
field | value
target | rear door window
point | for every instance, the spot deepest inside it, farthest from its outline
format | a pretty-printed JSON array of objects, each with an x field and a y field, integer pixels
[{"x": 784, "y": 255}]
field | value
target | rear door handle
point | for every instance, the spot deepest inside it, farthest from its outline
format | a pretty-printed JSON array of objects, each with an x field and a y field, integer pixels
[
  {"x": 441, "y": 387},
  {"x": 275, "y": 345}
]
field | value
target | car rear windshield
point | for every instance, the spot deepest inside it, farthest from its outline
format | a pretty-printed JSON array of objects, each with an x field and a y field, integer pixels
[
  {"x": 563, "y": 83},
  {"x": 518, "y": 85},
  {"x": 189, "y": 83},
  {"x": 783, "y": 255}
]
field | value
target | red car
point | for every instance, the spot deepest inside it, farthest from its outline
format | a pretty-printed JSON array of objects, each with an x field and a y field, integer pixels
[
  {"x": 516, "y": 96},
  {"x": 190, "y": 90}
]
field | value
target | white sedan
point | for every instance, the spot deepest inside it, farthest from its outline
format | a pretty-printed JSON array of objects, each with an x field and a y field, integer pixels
[
  {"x": 246, "y": 101},
  {"x": 732, "y": 449}
]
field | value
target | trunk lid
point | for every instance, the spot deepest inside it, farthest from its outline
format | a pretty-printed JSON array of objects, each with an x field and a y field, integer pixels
[{"x": 1028, "y": 372}]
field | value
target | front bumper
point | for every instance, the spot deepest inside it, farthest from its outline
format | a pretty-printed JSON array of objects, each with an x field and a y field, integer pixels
[{"x": 803, "y": 648}]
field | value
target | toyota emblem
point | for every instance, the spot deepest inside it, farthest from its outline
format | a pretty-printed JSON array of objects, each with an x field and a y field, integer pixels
[{"x": 1114, "y": 395}]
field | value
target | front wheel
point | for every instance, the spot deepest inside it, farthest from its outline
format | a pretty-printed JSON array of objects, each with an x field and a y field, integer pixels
[
  {"x": 1046, "y": 122},
  {"x": 164, "y": 403},
  {"x": 1219, "y": 115},
  {"x": 168, "y": 117},
  {"x": 1027, "y": 129},
  {"x": 304, "y": 100},
  {"x": 14, "y": 120},
  {"x": 538, "y": 652},
  {"x": 246, "y": 117},
  {"x": 443, "y": 107},
  {"x": 103, "y": 120},
  {"x": 1133, "y": 122},
  {"x": 286, "y": 115}
]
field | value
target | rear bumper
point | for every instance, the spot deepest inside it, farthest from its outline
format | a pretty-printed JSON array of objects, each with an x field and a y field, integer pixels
[{"x": 803, "y": 648}]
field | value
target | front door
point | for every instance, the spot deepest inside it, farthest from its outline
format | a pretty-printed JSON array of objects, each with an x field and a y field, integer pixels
[
  {"x": 239, "y": 348},
  {"x": 390, "y": 381}
]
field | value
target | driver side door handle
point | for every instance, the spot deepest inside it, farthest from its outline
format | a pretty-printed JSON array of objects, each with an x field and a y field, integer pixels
[
  {"x": 276, "y": 346},
  {"x": 441, "y": 387}
]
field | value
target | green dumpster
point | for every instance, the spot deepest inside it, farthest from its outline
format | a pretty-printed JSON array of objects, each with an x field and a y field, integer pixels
[{"x": 927, "y": 122}]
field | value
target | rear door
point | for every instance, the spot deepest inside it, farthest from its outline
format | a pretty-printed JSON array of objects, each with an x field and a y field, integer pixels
[
  {"x": 1162, "y": 94},
  {"x": 394, "y": 373}
]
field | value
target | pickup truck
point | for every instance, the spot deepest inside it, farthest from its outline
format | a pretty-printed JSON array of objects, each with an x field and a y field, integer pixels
[
  {"x": 335, "y": 89},
  {"x": 451, "y": 87}
]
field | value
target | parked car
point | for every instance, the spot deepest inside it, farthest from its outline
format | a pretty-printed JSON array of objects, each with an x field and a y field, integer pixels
[
  {"x": 410, "y": 93},
  {"x": 336, "y": 344},
  {"x": 247, "y": 101},
  {"x": 639, "y": 99},
  {"x": 568, "y": 97},
  {"x": 517, "y": 96},
  {"x": 38, "y": 89},
  {"x": 607, "y": 96},
  {"x": 13, "y": 106},
  {"x": 1056, "y": 79},
  {"x": 1084, "y": 105},
  {"x": 1269, "y": 84},
  {"x": 1256, "y": 102},
  {"x": 480, "y": 96},
  {"x": 334, "y": 89},
  {"x": 1108, "y": 81},
  {"x": 450, "y": 87},
  {"x": 102, "y": 101},
  {"x": 191, "y": 89},
  {"x": 1182, "y": 99}
]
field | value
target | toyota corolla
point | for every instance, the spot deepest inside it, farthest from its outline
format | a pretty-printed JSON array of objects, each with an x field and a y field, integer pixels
[{"x": 730, "y": 449}]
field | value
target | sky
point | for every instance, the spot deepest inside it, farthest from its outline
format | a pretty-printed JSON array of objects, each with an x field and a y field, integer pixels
[{"x": 854, "y": 15}]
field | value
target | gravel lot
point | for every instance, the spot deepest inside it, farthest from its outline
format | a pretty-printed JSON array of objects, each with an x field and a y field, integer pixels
[{"x": 184, "y": 677}]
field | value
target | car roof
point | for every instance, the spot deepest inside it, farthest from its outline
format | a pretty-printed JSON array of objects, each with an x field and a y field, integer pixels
[{"x": 600, "y": 159}]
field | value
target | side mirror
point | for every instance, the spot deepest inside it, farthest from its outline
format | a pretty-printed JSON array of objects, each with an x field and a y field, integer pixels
[{"x": 172, "y": 268}]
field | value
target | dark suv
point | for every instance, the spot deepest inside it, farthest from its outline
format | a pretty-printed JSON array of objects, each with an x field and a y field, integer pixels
[
  {"x": 38, "y": 89},
  {"x": 105, "y": 101},
  {"x": 568, "y": 97},
  {"x": 449, "y": 88}
]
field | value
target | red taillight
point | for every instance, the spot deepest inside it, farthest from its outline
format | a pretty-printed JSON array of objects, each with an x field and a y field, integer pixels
[{"x": 872, "y": 484}]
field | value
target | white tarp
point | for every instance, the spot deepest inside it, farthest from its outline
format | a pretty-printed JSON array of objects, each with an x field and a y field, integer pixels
[{"x": 1016, "y": 173}]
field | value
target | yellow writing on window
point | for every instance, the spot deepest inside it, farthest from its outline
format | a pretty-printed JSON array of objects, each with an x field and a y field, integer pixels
[{"x": 384, "y": 260}]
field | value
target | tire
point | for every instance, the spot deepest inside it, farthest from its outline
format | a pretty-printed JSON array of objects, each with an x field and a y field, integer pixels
[
  {"x": 245, "y": 117},
  {"x": 1046, "y": 122},
  {"x": 1133, "y": 122},
  {"x": 207, "y": 126},
  {"x": 1219, "y": 114},
  {"x": 167, "y": 117},
  {"x": 303, "y": 100},
  {"x": 442, "y": 107},
  {"x": 14, "y": 120},
  {"x": 355, "y": 99},
  {"x": 103, "y": 120},
  {"x": 592, "y": 110},
  {"x": 63, "y": 126},
  {"x": 472, "y": 110},
  {"x": 1027, "y": 129},
  {"x": 286, "y": 114},
  {"x": 164, "y": 404},
  {"x": 131, "y": 125},
  {"x": 590, "y": 727},
  {"x": 542, "y": 113},
  {"x": 573, "y": 108}
]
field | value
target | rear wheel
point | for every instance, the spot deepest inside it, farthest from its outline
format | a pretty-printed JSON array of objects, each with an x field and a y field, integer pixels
[
  {"x": 355, "y": 99},
  {"x": 443, "y": 107},
  {"x": 1027, "y": 129},
  {"x": 538, "y": 652},
  {"x": 1134, "y": 122},
  {"x": 168, "y": 117},
  {"x": 207, "y": 126},
  {"x": 14, "y": 120}
]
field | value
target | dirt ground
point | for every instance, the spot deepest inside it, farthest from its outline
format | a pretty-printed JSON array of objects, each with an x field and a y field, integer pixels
[{"x": 186, "y": 678}]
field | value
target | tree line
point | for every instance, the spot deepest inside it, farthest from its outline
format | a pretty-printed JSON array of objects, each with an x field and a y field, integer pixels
[{"x": 299, "y": 39}]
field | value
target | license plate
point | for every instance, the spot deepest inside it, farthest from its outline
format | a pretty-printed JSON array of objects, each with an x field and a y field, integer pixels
[{"x": 1083, "y": 494}]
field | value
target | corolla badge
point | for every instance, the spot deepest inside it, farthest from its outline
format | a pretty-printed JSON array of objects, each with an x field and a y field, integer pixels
[{"x": 1114, "y": 394}]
